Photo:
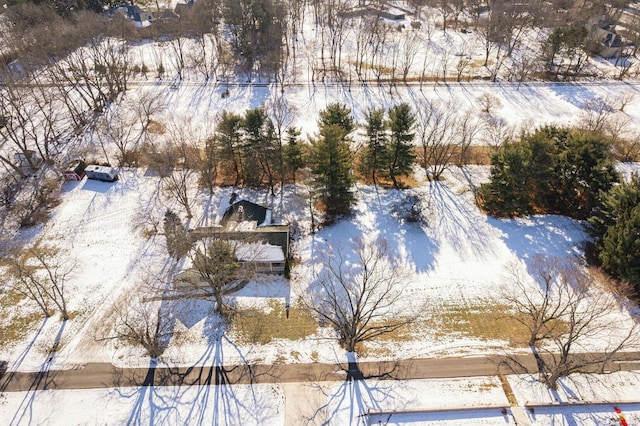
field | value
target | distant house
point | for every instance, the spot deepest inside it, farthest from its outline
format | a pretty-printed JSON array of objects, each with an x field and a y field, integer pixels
[
  {"x": 75, "y": 171},
  {"x": 380, "y": 10},
  {"x": 140, "y": 18},
  {"x": 182, "y": 8},
  {"x": 611, "y": 44}
]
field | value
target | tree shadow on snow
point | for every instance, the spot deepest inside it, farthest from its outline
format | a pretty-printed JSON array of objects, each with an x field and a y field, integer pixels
[
  {"x": 547, "y": 235},
  {"x": 374, "y": 217},
  {"x": 360, "y": 393},
  {"x": 42, "y": 380},
  {"x": 210, "y": 391},
  {"x": 462, "y": 225}
]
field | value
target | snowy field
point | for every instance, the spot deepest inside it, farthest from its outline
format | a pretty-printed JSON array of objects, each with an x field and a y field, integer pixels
[{"x": 456, "y": 259}]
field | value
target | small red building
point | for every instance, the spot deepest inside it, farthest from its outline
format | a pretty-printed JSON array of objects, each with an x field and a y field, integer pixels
[{"x": 75, "y": 171}]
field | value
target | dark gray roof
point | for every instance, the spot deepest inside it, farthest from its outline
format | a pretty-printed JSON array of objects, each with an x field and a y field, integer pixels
[{"x": 244, "y": 211}]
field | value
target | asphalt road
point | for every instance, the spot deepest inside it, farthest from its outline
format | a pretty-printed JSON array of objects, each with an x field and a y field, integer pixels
[{"x": 106, "y": 375}]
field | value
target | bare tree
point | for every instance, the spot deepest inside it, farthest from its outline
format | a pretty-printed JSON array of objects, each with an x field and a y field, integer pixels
[
  {"x": 219, "y": 271},
  {"x": 178, "y": 183},
  {"x": 567, "y": 312},
  {"x": 595, "y": 115},
  {"x": 282, "y": 114},
  {"x": 496, "y": 132},
  {"x": 31, "y": 125},
  {"x": 142, "y": 323},
  {"x": 468, "y": 128},
  {"x": 489, "y": 102},
  {"x": 409, "y": 47},
  {"x": 40, "y": 276},
  {"x": 207, "y": 163},
  {"x": 624, "y": 139},
  {"x": 436, "y": 129},
  {"x": 360, "y": 298},
  {"x": 624, "y": 100}
]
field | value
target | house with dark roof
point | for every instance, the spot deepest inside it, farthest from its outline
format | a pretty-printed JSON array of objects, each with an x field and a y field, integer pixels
[
  {"x": 140, "y": 18},
  {"x": 262, "y": 241},
  {"x": 245, "y": 211}
]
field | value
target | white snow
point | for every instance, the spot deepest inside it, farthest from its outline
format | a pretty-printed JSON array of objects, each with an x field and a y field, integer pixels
[
  {"x": 466, "y": 401},
  {"x": 458, "y": 257}
]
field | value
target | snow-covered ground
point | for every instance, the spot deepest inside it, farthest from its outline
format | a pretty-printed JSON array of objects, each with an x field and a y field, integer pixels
[
  {"x": 457, "y": 258},
  {"x": 442, "y": 402}
]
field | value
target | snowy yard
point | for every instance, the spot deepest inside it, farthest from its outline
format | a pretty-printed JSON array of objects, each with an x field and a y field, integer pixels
[
  {"x": 442, "y": 402},
  {"x": 454, "y": 261}
]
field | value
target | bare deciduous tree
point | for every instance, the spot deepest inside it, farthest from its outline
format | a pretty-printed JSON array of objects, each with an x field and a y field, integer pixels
[
  {"x": 564, "y": 315},
  {"x": 39, "y": 275},
  {"x": 595, "y": 115},
  {"x": 142, "y": 323},
  {"x": 361, "y": 299},
  {"x": 218, "y": 270},
  {"x": 488, "y": 102},
  {"x": 496, "y": 132},
  {"x": 178, "y": 183}
]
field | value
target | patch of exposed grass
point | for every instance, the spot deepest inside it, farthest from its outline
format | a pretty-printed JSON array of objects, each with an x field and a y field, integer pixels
[
  {"x": 486, "y": 322},
  {"x": 14, "y": 326},
  {"x": 259, "y": 327}
]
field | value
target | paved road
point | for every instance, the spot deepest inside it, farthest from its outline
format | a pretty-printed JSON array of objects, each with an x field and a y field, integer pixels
[{"x": 106, "y": 375}]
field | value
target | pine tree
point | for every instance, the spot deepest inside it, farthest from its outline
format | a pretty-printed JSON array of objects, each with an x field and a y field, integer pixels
[
  {"x": 616, "y": 229},
  {"x": 331, "y": 165},
  {"x": 507, "y": 192},
  {"x": 293, "y": 154},
  {"x": 259, "y": 148},
  {"x": 178, "y": 240},
  {"x": 338, "y": 114},
  {"x": 375, "y": 154},
  {"x": 400, "y": 155},
  {"x": 585, "y": 170},
  {"x": 228, "y": 140},
  {"x": 552, "y": 170}
]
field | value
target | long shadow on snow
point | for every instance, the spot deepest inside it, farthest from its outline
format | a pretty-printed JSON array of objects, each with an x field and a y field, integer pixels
[
  {"x": 548, "y": 235},
  {"x": 373, "y": 216},
  {"x": 357, "y": 395},
  {"x": 204, "y": 392},
  {"x": 576, "y": 94},
  {"x": 42, "y": 380},
  {"x": 463, "y": 227}
]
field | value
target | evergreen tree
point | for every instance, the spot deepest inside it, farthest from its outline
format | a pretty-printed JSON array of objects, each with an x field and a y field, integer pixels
[
  {"x": 331, "y": 165},
  {"x": 507, "y": 192},
  {"x": 552, "y": 170},
  {"x": 293, "y": 154},
  {"x": 178, "y": 240},
  {"x": 585, "y": 169},
  {"x": 228, "y": 139},
  {"x": 259, "y": 148},
  {"x": 375, "y": 154},
  {"x": 616, "y": 228},
  {"x": 338, "y": 114},
  {"x": 400, "y": 152}
]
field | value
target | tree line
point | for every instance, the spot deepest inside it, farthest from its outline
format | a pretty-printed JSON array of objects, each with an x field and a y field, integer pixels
[
  {"x": 265, "y": 40},
  {"x": 570, "y": 172}
]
